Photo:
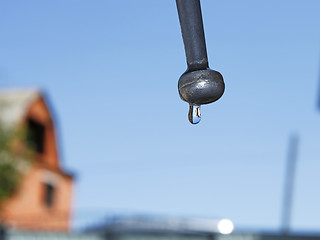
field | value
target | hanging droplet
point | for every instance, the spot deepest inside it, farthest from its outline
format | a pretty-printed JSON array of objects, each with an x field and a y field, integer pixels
[{"x": 194, "y": 114}]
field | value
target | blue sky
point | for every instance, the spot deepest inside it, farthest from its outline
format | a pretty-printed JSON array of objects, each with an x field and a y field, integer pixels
[{"x": 110, "y": 70}]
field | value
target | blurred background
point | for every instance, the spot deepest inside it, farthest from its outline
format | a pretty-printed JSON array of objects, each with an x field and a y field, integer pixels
[{"x": 108, "y": 71}]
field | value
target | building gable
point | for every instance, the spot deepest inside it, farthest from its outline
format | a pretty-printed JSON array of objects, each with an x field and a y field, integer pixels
[{"x": 43, "y": 200}]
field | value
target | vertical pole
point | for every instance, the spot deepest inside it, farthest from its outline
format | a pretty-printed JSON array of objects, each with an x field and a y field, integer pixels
[
  {"x": 318, "y": 92},
  {"x": 289, "y": 183},
  {"x": 190, "y": 17}
]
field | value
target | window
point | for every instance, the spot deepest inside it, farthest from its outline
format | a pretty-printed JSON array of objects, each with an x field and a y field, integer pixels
[
  {"x": 49, "y": 193},
  {"x": 35, "y": 135}
]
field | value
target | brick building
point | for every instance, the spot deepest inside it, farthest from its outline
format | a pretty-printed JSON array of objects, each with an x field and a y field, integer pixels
[{"x": 43, "y": 199}]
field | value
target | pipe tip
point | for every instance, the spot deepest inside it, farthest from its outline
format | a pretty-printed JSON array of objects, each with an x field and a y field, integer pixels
[{"x": 201, "y": 86}]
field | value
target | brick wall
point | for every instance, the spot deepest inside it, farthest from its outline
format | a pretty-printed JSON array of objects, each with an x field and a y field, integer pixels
[{"x": 43, "y": 200}]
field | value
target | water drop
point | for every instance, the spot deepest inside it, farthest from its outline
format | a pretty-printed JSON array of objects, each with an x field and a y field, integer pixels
[{"x": 194, "y": 114}]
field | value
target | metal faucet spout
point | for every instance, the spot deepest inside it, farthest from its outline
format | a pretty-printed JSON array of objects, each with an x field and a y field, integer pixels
[{"x": 199, "y": 84}]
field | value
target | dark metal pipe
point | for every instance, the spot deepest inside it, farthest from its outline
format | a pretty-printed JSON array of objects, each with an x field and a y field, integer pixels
[
  {"x": 199, "y": 84},
  {"x": 190, "y": 17}
]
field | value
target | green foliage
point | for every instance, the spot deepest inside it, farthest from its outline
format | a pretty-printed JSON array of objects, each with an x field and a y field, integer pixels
[
  {"x": 9, "y": 180},
  {"x": 12, "y": 162}
]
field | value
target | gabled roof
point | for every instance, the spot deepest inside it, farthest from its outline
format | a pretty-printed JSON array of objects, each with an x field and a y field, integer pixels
[{"x": 14, "y": 103}]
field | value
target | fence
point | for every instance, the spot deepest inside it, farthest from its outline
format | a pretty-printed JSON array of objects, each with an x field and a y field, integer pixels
[{"x": 19, "y": 235}]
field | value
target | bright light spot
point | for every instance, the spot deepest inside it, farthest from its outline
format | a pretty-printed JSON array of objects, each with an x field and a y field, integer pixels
[
  {"x": 201, "y": 84},
  {"x": 225, "y": 226}
]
